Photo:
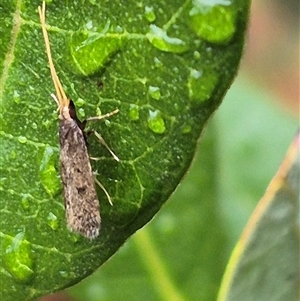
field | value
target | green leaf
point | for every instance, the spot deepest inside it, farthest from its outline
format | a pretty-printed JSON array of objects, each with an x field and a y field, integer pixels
[
  {"x": 265, "y": 262},
  {"x": 166, "y": 84}
]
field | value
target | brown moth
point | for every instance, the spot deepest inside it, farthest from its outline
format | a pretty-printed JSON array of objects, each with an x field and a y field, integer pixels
[{"x": 81, "y": 201}]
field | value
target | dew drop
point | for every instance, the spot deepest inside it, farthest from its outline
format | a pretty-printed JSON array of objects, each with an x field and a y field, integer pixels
[
  {"x": 52, "y": 221},
  {"x": 64, "y": 274},
  {"x": 160, "y": 40},
  {"x": 134, "y": 112},
  {"x": 17, "y": 257},
  {"x": 90, "y": 52},
  {"x": 149, "y": 14},
  {"x": 48, "y": 173},
  {"x": 22, "y": 139},
  {"x": 186, "y": 128},
  {"x": 89, "y": 25},
  {"x": 25, "y": 202},
  {"x": 196, "y": 74},
  {"x": 107, "y": 122},
  {"x": 81, "y": 113},
  {"x": 142, "y": 80},
  {"x": 156, "y": 122},
  {"x": 119, "y": 29},
  {"x": 214, "y": 21},
  {"x": 157, "y": 63},
  {"x": 80, "y": 102},
  {"x": 16, "y": 97},
  {"x": 34, "y": 125},
  {"x": 13, "y": 154},
  {"x": 201, "y": 85},
  {"x": 98, "y": 111},
  {"x": 154, "y": 92}
]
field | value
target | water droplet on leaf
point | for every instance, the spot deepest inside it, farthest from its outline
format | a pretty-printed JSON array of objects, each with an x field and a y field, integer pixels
[
  {"x": 91, "y": 52},
  {"x": 25, "y": 201},
  {"x": 186, "y": 128},
  {"x": 13, "y": 154},
  {"x": 98, "y": 111},
  {"x": 134, "y": 112},
  {"x": 81, "y": 113},
  {"x": 156, "y": 122},
  {"x": 89, "y": 25},
  {"x": 22, "y": 139},
  {"x": 154, "y": 92},
  {"x": 149, "y": 14},
  {"x": 80, "y": 102},
  {"x": 48, "y": 174},
  {"x": 17, "y": 257},
  {"x": 157, "y": 63},
  {"x": 159, "y": 39},
  {"x": 214, "y": 21},
  {"x": 34, "y": 125},
  {"x": 64, "y": 274},
  {"x": 107, "y": 122},
  {"x": 16, "y": 97},
  {"x": 201, "y": 85},
  {"x": 52, "y": 221}
]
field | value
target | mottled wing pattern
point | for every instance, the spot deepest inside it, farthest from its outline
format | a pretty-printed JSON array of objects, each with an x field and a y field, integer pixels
[{"x": 81, "y": 201}]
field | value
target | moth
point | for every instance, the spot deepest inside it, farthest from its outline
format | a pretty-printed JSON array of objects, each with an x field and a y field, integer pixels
[{"x": 82, "y": 207}]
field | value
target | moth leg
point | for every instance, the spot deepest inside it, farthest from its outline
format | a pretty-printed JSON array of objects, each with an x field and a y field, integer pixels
[
  {"x": 102, "y": 141},
  {"x": 102, "y": 116},
  {"x": 98, "y": 136},
  {"x": 103, "y": 188}
]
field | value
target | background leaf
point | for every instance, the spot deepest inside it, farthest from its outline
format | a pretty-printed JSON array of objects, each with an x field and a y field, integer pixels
[
  {"x": 265, "y": 262},
  {"x": 166, "y": 79}
]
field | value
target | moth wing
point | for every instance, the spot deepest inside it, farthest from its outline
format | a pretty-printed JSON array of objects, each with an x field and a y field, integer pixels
[{"x": 81, "y": 201}]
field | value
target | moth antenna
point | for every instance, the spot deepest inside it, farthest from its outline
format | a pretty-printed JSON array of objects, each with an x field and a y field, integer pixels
[{"x": 63, "y": 101}]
